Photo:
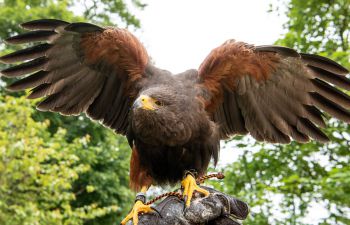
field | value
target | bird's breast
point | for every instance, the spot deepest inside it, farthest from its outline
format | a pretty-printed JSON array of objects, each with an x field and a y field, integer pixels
[
  {"x": 167, "y": 164},
  {"x": 160, "y": 131}
]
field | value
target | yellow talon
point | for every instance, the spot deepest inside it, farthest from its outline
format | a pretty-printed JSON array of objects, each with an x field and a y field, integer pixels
[
  {"x": 189, "y": 184},
  {"x": 139, "y": 207}
]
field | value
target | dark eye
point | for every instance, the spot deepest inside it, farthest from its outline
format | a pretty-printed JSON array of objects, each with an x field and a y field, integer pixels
[{"x": 158, "y": 103}]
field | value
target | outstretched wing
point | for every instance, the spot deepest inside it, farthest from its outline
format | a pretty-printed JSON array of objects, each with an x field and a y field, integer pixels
[
  {"x": 272, "y": 92},
  {"x": 79, "y": 67}
]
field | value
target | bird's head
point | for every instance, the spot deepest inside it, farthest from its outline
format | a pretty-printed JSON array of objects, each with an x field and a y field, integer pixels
[
  {"x": 163, "y": 112},
  {"x": 160, "y": 100}
]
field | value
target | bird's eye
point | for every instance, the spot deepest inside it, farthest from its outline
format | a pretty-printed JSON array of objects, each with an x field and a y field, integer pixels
[{"x": 158, "y": 103}]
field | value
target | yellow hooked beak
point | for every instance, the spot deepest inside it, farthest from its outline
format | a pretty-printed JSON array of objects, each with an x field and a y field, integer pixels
[{"x": 145, "y": 102}]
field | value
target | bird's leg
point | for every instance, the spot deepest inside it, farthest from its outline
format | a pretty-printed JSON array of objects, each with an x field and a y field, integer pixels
[
  {"x": 139, "y": 207},
  {"x": 189, "y": 185}
]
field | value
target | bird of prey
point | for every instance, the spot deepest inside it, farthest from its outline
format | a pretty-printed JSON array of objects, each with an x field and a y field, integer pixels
[{"x": 174, "y": 123}]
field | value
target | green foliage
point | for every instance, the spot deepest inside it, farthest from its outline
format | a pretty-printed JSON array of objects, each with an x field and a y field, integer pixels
[
  {"x": 282, "y": 183},
  {"x": 106, "y": 12},
  {"x": 14, "y": 12},
  {"x": 311, "y": 21},
  {"x": 319, "y": 27},
  {"x": 38, "y": 171},
  {"x": 56, "y": 169},
  {"x": 102, "y": 11},
  {"x": 53, "y": 178},
  {"x": 287, "y": 178}
]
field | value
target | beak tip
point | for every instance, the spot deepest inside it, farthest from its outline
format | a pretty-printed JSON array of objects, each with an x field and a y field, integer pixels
[{"x": 136, "y": 104}]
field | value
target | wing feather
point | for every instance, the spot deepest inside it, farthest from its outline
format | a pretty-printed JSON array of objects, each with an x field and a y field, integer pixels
[
  {"x": 80, "y": 67},
  {"x": 43, "y": 24},
  {"x": 323, "y": 63},
  {"x": 25, "y": 68},
  {"x": 32, "y": 36},
  {"x": 330, "y": 107},
  {"x": 273, "y": 92},
  {"x": 236, "y": 119},
  {"x": 29, "y": 82},
  {"x": 331, "y": 93},
  {"x": 338, "y": 80},
  {"x": 26, "y": 54}
]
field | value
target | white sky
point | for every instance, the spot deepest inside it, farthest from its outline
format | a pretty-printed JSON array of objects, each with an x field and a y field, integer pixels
[{"x": 179, "y": 34}]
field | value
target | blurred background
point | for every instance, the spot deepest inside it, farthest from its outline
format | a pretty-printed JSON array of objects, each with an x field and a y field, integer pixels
[{"x": 69, "y": 170}]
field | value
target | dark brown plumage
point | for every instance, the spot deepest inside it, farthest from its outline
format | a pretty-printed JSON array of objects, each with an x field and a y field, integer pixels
[{"x": 175, "y": 123}]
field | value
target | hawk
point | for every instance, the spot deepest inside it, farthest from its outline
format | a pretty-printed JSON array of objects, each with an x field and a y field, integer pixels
[{"x": 174, "y": 123}]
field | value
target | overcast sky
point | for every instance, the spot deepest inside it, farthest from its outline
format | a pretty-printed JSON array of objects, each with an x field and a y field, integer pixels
[{"x": 179, "y": 34}]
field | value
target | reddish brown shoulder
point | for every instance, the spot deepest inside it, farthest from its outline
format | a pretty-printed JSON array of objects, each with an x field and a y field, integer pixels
[
  {"x": 228, "y": 62},
  {"x": 118, "y": 47}
]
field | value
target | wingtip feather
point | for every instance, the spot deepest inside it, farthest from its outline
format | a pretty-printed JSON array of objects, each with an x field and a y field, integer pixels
[
  {"x": 83, "y": 27},
  {"x": 278, "y": 49},
  {"x": 31, "y": 36},
  {"x": 43, "y": 24},
  {"x": 25, "y": 54},
  {"x": 324, "y": 63}
]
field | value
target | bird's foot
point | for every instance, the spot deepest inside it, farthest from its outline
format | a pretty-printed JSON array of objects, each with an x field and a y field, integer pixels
[
  {"x": 189, "y": 185},
  {"x": 139, "y": 207}
]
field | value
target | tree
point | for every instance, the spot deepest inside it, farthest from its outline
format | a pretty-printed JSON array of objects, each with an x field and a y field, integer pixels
[
  {"x": 94, "y": 186},
  {"x": 319, "y": 27},
  {"x": 37, "y": 170},
  {"x": 282, "y": 183}
]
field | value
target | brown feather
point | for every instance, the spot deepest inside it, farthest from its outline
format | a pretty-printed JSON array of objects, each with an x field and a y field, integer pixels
[
  {"x": 25, "y": 68},
  {"x": 43, "y": 24},
  {"x": 138, "y": 174},
  {"x": 116, "y": 47},
  {"x": 314, "y": 115},
  {"x": 308, "y": 128},
  {"x": 32, "y": 36},
  {"x": 81, "y": 67},
  {"x": 338, "y": 80},
  {"x": 331, "y": 108},
  {"x": 332, "y": 93},
  {"x": 29, "y": 82},
  {"x": 26, "y": 54},
  {"x": 324, "y": 63},
  {"x": 228, "y": 62},
  {"x": 279, "y": 91}
]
